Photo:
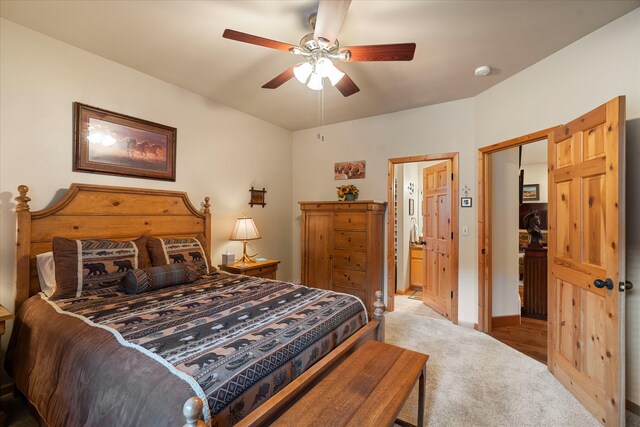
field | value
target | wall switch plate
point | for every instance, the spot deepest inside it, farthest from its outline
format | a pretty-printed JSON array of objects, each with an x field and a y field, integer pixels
[{"x": 465, "y": 230}]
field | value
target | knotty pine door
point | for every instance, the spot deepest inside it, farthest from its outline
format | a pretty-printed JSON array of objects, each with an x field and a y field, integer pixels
[
  {"x": 586, "y": 246},
  {"x": 436, "y": 199}
]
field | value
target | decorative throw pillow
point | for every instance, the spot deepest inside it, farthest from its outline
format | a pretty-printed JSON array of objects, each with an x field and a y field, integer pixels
[
  {"x": 150, "y": 279},
  {"x": 91, "y": 266},
  {"x": 163, "y": 251}
]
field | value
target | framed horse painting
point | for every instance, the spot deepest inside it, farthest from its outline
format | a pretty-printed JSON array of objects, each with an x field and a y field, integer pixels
[{"x": 112, "y": 143}]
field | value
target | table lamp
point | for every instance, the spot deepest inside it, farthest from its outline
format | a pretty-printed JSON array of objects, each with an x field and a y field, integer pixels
[{"x": 245, "y": 230}]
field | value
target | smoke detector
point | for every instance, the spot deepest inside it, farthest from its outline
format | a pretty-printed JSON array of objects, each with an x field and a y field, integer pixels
[{"x": 483, "y": 70}]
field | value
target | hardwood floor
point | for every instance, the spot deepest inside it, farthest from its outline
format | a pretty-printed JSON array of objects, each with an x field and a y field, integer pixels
[{"x": 530, "y": 338}]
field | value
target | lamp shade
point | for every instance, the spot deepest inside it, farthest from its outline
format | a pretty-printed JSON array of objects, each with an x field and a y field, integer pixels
[
  {"x": 315, "y": 82},
  {"x": 245, "y": 229},
  {"x": 302, "y": 72}
]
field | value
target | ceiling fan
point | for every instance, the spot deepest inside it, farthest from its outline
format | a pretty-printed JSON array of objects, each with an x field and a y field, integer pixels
[{"x": 320, "y": 48}]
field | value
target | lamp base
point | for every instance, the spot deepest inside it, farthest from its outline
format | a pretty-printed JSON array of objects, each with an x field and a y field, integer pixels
[{"x": 245, "y": 256}]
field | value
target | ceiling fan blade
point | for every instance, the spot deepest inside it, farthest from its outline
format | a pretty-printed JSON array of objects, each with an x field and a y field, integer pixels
[
  {"x": 260, "y": 41},
  {"x": 330, "y": 16},
  {"x": 346, "y": 86},
  {"x": 280, "y": 79},
  {"x": 381, "y": 52}
]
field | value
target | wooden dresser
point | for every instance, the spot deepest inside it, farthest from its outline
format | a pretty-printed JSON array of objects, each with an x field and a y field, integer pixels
[{"x": 343, "y": 247}]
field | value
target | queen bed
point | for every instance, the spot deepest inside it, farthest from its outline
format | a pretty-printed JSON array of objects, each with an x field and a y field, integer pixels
[{"x": 245, "y": 347}]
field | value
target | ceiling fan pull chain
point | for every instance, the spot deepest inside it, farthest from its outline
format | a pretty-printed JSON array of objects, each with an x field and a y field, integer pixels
[{"x": 319, "y": 136}]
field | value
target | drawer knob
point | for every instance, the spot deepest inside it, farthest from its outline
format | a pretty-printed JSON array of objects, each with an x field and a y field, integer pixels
[
  {"x": 349, "y": 239},
  {"x": 349, "y": 258},
  {"x": 349, "y": 277},
  {"x": 349, "y": 220}
]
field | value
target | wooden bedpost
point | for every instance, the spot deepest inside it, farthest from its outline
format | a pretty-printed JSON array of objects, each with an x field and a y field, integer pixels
[
  {"x": 378, "y": 314},
  {"x": 192, "y": 411},
  {"x": 207, "y": 227},
  {"x": 23, "y": 245}
]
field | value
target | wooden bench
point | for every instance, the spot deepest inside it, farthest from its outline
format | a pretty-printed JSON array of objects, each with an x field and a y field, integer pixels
[{"x": 368, "y": 389}]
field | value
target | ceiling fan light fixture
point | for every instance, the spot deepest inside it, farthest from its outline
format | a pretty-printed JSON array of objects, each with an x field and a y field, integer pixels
[
  {"x": 302, "y": 72},
  {"x": 315, "y": 82},
  {"x": 323, "y": 67}
]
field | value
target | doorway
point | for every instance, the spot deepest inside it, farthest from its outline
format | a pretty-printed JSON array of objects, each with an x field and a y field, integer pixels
[
  {"x": 519, "y": 263},
  {"x": 444, "y": 251}
]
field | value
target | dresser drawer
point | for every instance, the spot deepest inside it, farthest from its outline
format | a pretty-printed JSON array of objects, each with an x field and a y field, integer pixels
[
  {"x": 350, "y": 221},
  {"x": 350, "y": 278},
  {"x": 349, "y": 259},
  {"x": 355, "y": 240},
  {"x": 355, "y": 292}
]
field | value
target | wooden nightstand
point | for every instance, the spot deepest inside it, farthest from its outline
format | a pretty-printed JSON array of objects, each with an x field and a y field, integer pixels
[
  {"x": 266, "y": 269},
  {"x": 4, "y": 316}
]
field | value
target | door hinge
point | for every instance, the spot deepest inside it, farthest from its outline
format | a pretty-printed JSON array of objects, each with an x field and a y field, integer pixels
[
  {"x": 451, "y": 294},
  {"x": 452, "y": 235},
  {"x": 451, "y": 176},
  {"x": 484, "y": 252}
]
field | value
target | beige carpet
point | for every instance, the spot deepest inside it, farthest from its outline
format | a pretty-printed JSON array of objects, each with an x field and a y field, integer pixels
[{"x": 474, "y": 380}]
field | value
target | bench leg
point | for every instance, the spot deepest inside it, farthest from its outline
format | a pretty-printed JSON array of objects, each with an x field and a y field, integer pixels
[
  {"x": 421, "y": 397},
  {"x": 421, "y": 386}
]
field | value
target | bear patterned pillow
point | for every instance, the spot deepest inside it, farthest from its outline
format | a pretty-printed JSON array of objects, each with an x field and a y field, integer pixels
[
  {"x": 150, "y": 279},
  {"x": 163, "y": 251},
  {"x": 91, "y": 266}
]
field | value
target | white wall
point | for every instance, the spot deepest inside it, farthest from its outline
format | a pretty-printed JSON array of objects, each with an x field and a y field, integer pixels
[
  {"x": 504, "y": 209},
  {"x": 561, "y": 87},
  {"x": 428, "y": 130},
  {"x": 41, "y": 77}
]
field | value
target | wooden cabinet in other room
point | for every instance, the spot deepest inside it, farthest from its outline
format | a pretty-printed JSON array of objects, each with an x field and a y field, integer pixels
[
  {"x": 415, "y": 265},
  {"x": 343, "y": 247}
]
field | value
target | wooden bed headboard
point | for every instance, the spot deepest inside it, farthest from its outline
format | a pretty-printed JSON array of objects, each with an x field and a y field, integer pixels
[{"x": 101, "y": 212}]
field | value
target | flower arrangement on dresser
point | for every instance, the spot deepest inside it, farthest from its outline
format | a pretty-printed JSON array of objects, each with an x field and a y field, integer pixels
[{"x": 347, "y": 192}]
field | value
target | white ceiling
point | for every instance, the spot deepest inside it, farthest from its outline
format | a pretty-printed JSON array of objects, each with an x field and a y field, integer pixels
[{"x": 181, "y": 42}]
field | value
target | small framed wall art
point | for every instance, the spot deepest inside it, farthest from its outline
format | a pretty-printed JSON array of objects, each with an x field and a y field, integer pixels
[
  {"x": 531, "y": 192},
  {"x": 465, "y": 202},
  {"x": 257, "y": 197},
  {"x": 112, "y": 143}
]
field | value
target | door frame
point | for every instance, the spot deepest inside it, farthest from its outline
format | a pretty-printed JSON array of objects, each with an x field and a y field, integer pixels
[
  {"x": 391, "y": 267},
  {"x": 485, "y": 219}
]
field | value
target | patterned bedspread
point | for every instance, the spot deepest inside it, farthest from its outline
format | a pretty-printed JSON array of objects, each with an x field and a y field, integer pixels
[{"x": 240, "y": 338}]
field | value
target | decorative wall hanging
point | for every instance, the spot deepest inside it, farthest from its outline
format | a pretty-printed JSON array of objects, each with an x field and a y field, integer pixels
[
  {"x": 411, "y": 207},
  {"x": 465, "y": 202},
  {"x": 257, "y": 197},
  {"x": 531, "y": 192},
  {"x": 112, "y": 143},
  {"x": 411, "y": 188},
  {"x": 349, "y": 170}
]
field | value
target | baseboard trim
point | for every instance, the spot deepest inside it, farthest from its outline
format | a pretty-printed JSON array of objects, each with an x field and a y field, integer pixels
[
  {"x": 469, "y": 325},
  {"x": 402, "y": 292},
  {"x": 502, "y": 321},
  {"x": 633, "y": 407}
]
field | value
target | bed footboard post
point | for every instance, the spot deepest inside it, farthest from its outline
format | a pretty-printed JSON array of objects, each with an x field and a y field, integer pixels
[
  {"x": 192, "y": 411},
  {"x": 23, "y": 244},
  {"x": 378, "y": 314}
]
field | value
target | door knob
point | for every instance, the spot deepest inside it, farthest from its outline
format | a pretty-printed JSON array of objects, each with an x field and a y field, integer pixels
[
  {"x": 606, "y": 283},
  {"x": 625, "y": 286}
]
